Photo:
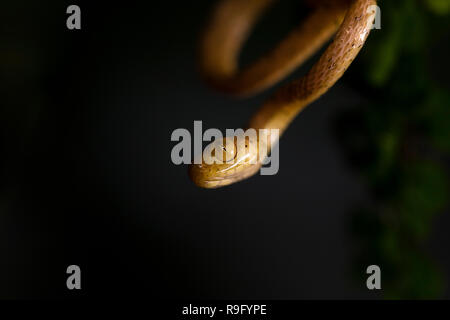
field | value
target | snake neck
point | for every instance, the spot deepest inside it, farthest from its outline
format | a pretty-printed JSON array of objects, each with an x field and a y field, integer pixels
[{"x": 279, "y": 111}]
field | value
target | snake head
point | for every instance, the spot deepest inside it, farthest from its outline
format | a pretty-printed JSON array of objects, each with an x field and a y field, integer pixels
[{"x": 228, "y": 160}]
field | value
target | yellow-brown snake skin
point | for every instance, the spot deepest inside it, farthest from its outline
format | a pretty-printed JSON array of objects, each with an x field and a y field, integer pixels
[{"x": 229, "y": 27}]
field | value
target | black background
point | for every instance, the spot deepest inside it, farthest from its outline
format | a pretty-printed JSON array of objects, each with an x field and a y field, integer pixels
[{"x": 88, "y": 178}]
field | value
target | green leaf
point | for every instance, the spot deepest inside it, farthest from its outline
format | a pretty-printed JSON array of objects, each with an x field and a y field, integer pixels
[{"x": 439, "y": 7}]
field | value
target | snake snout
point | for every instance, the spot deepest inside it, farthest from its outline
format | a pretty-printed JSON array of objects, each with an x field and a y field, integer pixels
[{"x": 226, "y": 161}]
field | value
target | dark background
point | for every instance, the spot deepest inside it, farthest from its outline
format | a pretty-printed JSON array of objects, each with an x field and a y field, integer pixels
[{"x": 87, "y": 177}]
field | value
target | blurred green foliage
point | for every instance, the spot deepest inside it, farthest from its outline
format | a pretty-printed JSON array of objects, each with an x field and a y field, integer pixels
[
  {"x": 399, "y": 142},
  {"x": 438, "y": 6}
]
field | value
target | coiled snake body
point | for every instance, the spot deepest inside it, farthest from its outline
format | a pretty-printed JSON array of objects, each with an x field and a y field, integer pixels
[{"x": 229, "y": 26}]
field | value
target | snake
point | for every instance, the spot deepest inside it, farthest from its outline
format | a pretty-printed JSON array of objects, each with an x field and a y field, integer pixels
[{"x": 347, "y": 22}]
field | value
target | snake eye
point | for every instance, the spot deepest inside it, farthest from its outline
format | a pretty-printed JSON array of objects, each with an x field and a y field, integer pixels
[{"x": 228, "y": 149}]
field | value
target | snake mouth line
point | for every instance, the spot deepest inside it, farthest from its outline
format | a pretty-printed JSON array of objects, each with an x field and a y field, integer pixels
[{"x": 235, "y": 176}]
